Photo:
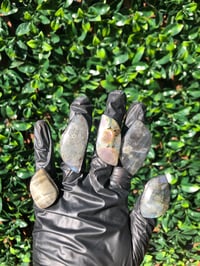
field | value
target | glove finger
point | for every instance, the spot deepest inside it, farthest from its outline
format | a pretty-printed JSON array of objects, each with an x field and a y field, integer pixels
[
  {"x": 108, "y": 139},
  {"x": 74, "y": 139},
  {"x": 135, "y": 146},
  {"x": 43, "y": 147},
  {"x": 42, "y": 187},
  {"x": 119, "y": 179},
  {"x": 141, "y": 231},
  {"x": 109, "y": 132},
  {"x": 136, "y": 141}
]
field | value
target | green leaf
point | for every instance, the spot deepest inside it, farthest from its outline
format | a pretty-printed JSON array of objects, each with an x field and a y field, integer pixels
[
  {"x": 99, "y": 9},
  {"x": 196, "y": 74},
  {"x": 55, "y": 38},
  {"x": 101, "y": 53},
  {"x": 23, "y": 28},
  {"x": 109, "y": 83},
  {"x": 175, "y": 145},
  {"x": 171, "y": 46},
  {"x": 3, "y": 138},
  {"x": 91, "y": 85},
  {"x": 165, "y": 59},
  {"x": 182, "y": 114},
  {"x": 22, "y": 126},
  {"x": 5, "y": 158},
  {"x": 19, "y": 137},
  {"x": 96, "y": 40},
  {"x": 190, "y": 188},
  {"x": 44, "y": 19},
  {"x": 27, "y": 15},
  {"x": 52, "y": 108},
  {"x": 120, "y": 58},
  {"x": 196, "y": 117},
  {"x": 7, "y": 9},
  {"x": 13, "y": 251},
  {"x": 32, "y": 43},
  {"x": 86, "y": 26},
  {"x": 171, "y": 178},
  {"x": 26, "y": 68},
  {"x": 173, "y": 29},
  {"x": 46, "y": 47},
  {"x": 191, "y": 7},
  {"x": 26, "y": 259},
  {"x": 139, "y": 53},
  {"x": 24, "y": 174},
  {"x": 55, "y": 25},
  {"x": 140, "y": 66},
  {"x": 9, "y": 111},
  {"x": 120, "y": 19},
  {"x": 60, "y": 12},
  {"x": 20, "y": 223},
  {"x": 58, "y": 93},
  {"x": 185, "y": 204},
  {"x": 180, "y": 15},
  {"x": 16, "y": 64},
  {"x": 68, "y": 3},
  {"x": 195, "y": 215}
]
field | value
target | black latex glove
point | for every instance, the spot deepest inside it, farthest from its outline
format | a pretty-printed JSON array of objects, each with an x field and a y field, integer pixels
[{"x": 89, "y": 224}]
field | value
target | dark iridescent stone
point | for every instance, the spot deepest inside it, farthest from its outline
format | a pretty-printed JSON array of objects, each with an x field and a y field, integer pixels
[
  {"x": 108, "y": 140},
  {"x": 155, "y": 198},
  {"x": 135, "y": 112},
  {"x": 135, "y": 146},
  {"x": 74, "y": 142},
  {"x": 43, "y": 189}
]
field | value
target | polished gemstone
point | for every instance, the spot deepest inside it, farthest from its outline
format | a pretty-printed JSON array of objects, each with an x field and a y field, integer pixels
[
  {"x": 43, "y": 189},
  {"x": 135, "y": 146},
  {"x": 108, "y": 140},
  {"x": 74, "y": 142},
  {"x": 135, "y": 112},
  {"x": 155, "y": 198}
]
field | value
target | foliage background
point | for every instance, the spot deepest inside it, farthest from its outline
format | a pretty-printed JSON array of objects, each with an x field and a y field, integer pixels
[{"x": 52, "y": 51}]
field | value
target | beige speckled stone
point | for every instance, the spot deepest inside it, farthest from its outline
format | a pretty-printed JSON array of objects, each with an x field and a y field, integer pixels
[
  {"x": 43, "y": 189},
  {"x": 108, "y": 140}
]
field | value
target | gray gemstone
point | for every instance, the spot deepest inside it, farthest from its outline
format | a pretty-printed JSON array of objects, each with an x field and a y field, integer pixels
[
  {"x": 74, "y": 142},
  {"x": 155, "y": 198},
  {"x": 135, "y": 146},
  {"x": 135, "y": 112}
]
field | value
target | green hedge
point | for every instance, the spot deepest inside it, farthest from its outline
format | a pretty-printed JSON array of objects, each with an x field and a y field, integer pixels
[{"x": 52, "y": 51}]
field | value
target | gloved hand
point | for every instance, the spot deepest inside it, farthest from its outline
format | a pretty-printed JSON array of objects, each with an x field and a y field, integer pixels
[{"x": 86, "y": 222}]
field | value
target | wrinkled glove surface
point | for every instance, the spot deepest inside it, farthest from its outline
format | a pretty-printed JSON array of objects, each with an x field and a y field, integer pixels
[{"x": 89, "y": 224}]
